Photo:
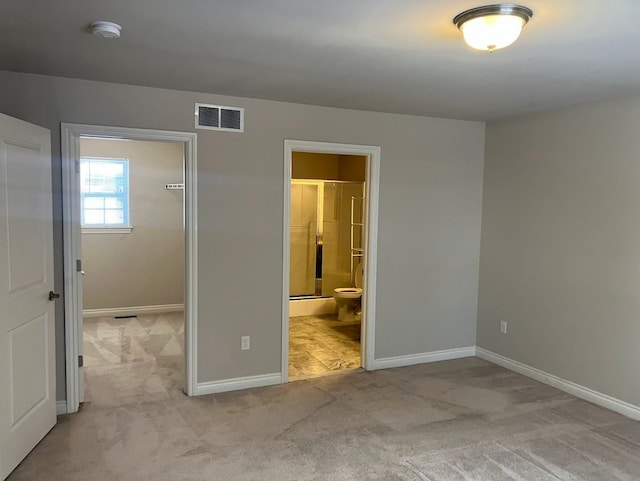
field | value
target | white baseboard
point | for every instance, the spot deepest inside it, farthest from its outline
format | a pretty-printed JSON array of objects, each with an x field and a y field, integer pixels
[
  {"x": 422, "y": 358},
  {"x": 132, "y": 311},
  {"x": 238, "y": 383},
  {"x": 311, "y": 307},
  {"x": 577, "y": 390},
  {"x": 61, "y": 408}
]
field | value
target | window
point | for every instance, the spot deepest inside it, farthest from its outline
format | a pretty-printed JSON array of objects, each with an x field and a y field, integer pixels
[{"x": 104, "y": 187}]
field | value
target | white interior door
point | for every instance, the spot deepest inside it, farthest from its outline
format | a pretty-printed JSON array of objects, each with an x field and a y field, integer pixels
[{"x": 27, "y": 344}]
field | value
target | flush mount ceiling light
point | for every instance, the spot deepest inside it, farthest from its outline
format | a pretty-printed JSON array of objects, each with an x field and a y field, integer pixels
[
  {"x": 104, "y": 29},
  {"x": 493, "y": 26}
]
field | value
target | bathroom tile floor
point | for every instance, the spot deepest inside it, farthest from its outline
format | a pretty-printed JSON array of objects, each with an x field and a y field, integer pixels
[{"x": 321, "y": 345}]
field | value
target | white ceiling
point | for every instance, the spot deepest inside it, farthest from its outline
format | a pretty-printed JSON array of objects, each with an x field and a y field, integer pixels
[{"x": 403, "y": 56}]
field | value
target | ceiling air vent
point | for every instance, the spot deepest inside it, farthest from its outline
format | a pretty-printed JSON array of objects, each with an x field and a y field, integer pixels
[{"x": 219, "y": 117}]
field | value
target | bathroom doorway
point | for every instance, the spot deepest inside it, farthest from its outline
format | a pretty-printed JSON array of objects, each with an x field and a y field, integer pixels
[{"x": 329, "y": 258}]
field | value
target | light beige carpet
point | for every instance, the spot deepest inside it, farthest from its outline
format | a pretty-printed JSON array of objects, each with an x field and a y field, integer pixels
[
  {"x": 463, "y": 420},
  {"x": 134, "y": 359}
]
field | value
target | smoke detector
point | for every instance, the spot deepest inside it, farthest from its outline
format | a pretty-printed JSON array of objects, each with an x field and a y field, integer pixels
[{"x": 103, "y": 29}]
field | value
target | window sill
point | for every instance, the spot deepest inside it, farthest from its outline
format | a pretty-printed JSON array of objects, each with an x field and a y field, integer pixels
[{"x": 107, "y": 230}]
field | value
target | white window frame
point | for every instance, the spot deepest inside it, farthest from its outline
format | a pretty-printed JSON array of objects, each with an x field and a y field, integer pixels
[{"x": 106, "y": 228}]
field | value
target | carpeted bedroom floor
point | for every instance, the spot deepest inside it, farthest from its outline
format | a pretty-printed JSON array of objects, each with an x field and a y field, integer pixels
[{"x": 462, "y": 420}]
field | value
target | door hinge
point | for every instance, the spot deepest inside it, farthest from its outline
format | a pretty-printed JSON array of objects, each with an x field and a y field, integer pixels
[
  {"x": 80, "y": 361},
  {"x": 77, "y": 166},
  {"x": 78, "y": 265}
]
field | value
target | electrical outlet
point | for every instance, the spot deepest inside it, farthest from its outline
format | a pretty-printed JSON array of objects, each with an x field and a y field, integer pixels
[
  {"x": 503, "y": 327},
  {"x": 245, "y": 343}
]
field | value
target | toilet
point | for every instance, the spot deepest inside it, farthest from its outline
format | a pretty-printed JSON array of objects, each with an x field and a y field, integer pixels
[{"x": 348, "y": 298}]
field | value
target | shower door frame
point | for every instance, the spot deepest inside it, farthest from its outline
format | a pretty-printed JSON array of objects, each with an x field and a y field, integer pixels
[
  {"x": 319, "y": 208},
  {"x": 372, "y": 181},
  {"x": 321, "y": 184}
]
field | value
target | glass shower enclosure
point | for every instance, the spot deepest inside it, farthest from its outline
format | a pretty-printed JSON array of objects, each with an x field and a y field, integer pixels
[{"x": 327, "y": 227}]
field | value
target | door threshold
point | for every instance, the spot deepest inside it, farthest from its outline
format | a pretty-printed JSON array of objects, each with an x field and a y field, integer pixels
[{"x": 337, "y": 372}]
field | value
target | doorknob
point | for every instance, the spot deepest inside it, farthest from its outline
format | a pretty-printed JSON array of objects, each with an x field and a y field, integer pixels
[{"x": 53, "y": 295}]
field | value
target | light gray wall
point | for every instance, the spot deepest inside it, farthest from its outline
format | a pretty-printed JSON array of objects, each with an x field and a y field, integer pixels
[
  {"x": 146, "y": 266},
  {"x": 429, "y": 224},
  {"x": 561, "y": 244}
]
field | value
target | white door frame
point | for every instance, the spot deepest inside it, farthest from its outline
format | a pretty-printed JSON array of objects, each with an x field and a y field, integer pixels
[
  {"x": 70, "y": 136},
  {"x": 370, "y": 247}
]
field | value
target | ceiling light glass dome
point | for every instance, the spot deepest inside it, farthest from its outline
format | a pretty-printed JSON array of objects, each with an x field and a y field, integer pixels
[{"x": 492, "y": 27}]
